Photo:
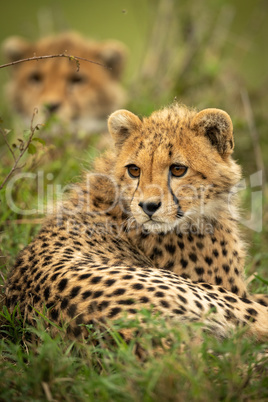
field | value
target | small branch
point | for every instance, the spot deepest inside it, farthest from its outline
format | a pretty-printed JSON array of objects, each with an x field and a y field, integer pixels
[
  {"x": 51, "y": 56},
  {"x": 23, "y": 150},
  {"x": 2, "y": 275},
  {"x": 251, "y": 278},
  {"x": 7, "y": 144}
]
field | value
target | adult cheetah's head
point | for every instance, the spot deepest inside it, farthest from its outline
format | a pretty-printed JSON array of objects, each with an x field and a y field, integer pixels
[
  {"x": 174, "y": 166},
  {"x": 78, "y": 99}
]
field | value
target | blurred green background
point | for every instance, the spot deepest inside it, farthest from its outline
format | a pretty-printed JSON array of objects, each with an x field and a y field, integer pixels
[
  {"x": 206, "y": 54},
  {"x": 245, "y": 22}
]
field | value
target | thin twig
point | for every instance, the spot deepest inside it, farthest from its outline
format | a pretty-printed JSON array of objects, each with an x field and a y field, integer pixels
[
  {"x": 51, "y": 56},
  {"x": 7, "y": 143},
  {"x": 1, "y": 274},
  {"x": 251, "y": 277},
  {"x": 23, "y": 150},
  {"x": 47, "y": 391}
]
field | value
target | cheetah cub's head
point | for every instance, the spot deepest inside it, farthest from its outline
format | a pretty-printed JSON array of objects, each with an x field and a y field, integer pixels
[{"x": 174, "y": 168}]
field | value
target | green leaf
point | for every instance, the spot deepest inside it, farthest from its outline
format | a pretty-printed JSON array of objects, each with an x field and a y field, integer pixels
[
  {"x": 261, "y": 279},
  {"x": 37, "y": 139},
  {"x": 31, "y": 149}
]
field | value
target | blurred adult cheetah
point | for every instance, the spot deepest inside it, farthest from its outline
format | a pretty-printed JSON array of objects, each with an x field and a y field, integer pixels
[{"x": 81, "y": 100}]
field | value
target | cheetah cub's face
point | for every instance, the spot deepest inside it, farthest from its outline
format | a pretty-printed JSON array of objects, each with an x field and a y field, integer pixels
[{"x": 174, "y": 167}]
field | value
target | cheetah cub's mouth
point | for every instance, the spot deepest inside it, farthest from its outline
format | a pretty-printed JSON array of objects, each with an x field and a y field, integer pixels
[{"x": 174, "y": 168}]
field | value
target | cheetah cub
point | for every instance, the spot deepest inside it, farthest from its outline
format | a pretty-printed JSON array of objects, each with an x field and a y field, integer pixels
[{"x": 155, "y": 225}]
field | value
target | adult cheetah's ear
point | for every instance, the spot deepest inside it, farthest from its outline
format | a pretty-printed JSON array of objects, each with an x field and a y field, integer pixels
[
  {"x": 14, "y": 48},
  {"x": 122, "y": 124},
  {"x": 113, "y": 54},
  {"x": 216, "y": 125}
]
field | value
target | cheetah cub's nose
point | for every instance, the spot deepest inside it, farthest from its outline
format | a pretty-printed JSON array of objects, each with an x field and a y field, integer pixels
[{"x": 150, "y": 207}]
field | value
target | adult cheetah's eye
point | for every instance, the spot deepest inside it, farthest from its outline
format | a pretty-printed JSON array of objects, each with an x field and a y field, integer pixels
[
  {"x": 77, "y": 79},
  {"x": 35, "y": 77},
  {"x": 133, "y": 171},
  {"x": 178, "y": 170}
]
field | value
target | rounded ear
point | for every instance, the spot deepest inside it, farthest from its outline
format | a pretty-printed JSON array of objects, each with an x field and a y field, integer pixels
[
  {"x": 14, "y": 48},
  {"x": 122, "y": 124},
  {"x": 217, "y": 126},
  {"x": 113, "y": 54}
]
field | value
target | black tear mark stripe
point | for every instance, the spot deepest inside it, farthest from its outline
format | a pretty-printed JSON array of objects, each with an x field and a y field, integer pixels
[
  {"x": 175, "y": 199},
  {"x": 135, "y": 190}
]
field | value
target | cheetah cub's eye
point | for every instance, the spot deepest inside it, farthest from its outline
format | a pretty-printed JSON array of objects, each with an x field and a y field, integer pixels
[
  {"x": 133, "y": 171},
  {"x": 178, "y": 170}
]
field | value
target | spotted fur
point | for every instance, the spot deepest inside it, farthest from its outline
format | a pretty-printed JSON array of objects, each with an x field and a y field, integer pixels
[{"x": 130, "y": 238}]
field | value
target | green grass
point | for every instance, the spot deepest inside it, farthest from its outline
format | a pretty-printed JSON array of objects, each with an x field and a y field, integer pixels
[{"x": 36, "y": 366}]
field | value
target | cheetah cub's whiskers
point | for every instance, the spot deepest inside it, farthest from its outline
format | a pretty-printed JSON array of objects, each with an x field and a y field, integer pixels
[{"x": 154, "y": 225}]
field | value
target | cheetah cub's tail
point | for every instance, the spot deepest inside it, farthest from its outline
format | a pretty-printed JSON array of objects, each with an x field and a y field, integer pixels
[{"x": 260, "y": 298}]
